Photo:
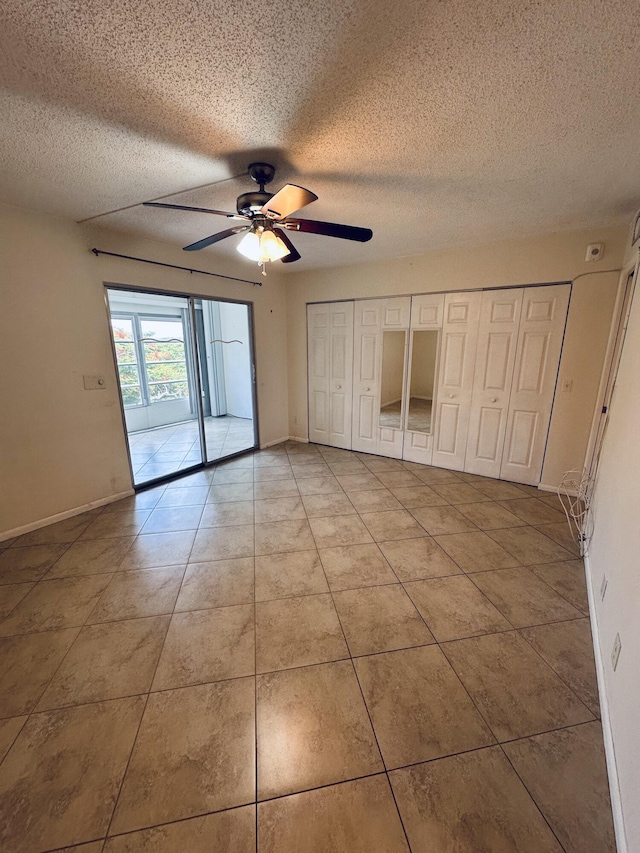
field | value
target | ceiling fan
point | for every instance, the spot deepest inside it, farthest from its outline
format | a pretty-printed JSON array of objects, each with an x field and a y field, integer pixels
[{"x": 263, "y": 217}]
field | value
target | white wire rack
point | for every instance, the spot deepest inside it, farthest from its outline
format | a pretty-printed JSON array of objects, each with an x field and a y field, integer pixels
[{"x": 575, "y": 492}]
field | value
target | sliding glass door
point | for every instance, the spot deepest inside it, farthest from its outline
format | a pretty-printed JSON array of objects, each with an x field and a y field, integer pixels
[{"x": 185, "y": 369}]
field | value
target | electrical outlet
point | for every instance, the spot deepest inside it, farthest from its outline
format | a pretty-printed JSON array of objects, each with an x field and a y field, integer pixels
[
  {"x": 615, "y": 654},
  {"x": 603, "y": 587}
]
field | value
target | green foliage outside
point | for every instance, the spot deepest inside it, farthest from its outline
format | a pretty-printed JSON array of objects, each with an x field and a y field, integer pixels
[{"x": 165, "y": 362}]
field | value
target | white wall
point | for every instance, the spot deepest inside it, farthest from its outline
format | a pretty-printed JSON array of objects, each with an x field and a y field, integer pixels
[
  {"x": 392, "y": 369},
  {"x": 615, "y": 552},
  {"x": 234, "y": 325},
  {"x": 554, "y": 258},
  {"x": 62, "y": 447},
  {"x": 423, "y": 363}
]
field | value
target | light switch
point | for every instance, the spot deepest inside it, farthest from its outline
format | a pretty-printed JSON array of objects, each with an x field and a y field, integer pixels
[{"x": 94, "y": 383}]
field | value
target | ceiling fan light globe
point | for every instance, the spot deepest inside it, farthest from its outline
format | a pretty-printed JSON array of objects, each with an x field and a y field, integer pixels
[
  {"x": 272, "y": 247},
  {"x": 249, "y": 246}
]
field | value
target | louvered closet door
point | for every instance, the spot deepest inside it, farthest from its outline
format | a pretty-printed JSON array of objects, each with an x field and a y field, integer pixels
[
  {"x": 330, "y": 373},
  {"x": 372, "y": 317},
  {"x": 495, "y": 358},
  {"x": 542, "y": 323},
  {"x": 455, "y": 386}
]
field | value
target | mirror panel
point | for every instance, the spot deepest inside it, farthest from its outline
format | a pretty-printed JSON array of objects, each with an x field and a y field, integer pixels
[
  {"x": 424, "y": 357},
  {"x": 392, "y": 379}
]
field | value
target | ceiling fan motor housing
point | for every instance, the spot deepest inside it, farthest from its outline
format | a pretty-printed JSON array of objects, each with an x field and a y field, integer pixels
[{"x": 250, "y": 203}]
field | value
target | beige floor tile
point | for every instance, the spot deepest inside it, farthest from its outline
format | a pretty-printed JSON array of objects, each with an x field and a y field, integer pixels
[
  {"x": 438, "y": 520},
  {"x": 412, "y": 497},
  {"x": 313, "y": 729},
  {"x": 223, "y": 543},
  {"x": 169, "y": 519},
  {"x": 194, "y": 496},
  {"x": 566, "y": 774},
  {"x": 459, "y": 493},
  {"x": 319, "y": 486},
  {"x": 470, "y": 803},
  {"x": 358, "y": 817},
  {"x": 418, "y": 707},
  {"x": 391, "y": 525},
  {"x": 533, "y": 511},
  {"x": 568, "y": 648},
  {"x": 95, "y": 557},
  {"x": 398, "y": 479},
  {"x": 561, "y": 534},
  {"x": 27, "y": 664},
  {"x": 412, "y": 559},
  {"x": 336, "y": 531},
  {"x": 381, "y": 463},
  {"x": 23, "y": 565},
  {"x": 348, "y": 466},
  {"x": 62, "y": 603},
  {"x": 217, "y": 584},
  {"x": 61, "y": 532},
  {"x": 313, "y": 469},
  {"x": 321, "y": 506},
  {"x": 523, "y": 598},
  {"x": 154, "y": 550},
  {"x": 434, "y": 476},
  {"x": 207, "y": 645},
  {"x": 276, "y": 489},
  {"x": 109, "y": 524},
  {"x": 9, "y": 731},
  {"x": 380, "y": 619},
  {"x": 224, "y": 475},
  {"x": 551, "y": 500},
  {"x": 195, "y": 753},
  {"x": 227, "y": 515},
  {"x": 454, "y": 608},
  {"x": 140, "y": 501},
  {"x": 499, "y": 490},
  {"x": 269, "y": 458},
  {"x": 108, "y": 661},
  {"x": 376, "y": 500},
  {"x": 230, "y": 492},
  {"x": 476, "y": 552},
  {"x": 277, "y": 472},
  {"x": 298, "y": 632},
  {"x": 568, "y": 579},
  {"x": 11, "y": 595},
  {"x": 133, "y": 595},
  {"x": 359, "y": 482},
  {"x": 279, "y": 509},
  {"x": 517, "y": 693},
  {"x": 283, "y": 537},
  {"x": 352, "y": 566},
  {"x": 490, "y": 515},
  {"x": 529, "y": 546},
  {"x": 285, "y": 575},
  {"x": 61, "y": 778},
  {"x": 198, "y": 478},
  {"x": 233, "y": 831}
]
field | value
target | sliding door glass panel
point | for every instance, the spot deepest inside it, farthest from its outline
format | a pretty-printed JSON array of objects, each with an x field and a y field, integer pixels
[
  {"x": 392, "y": 379},
  {"x": 424, "y": 356},
  {"x": 225, "y": 361},
  {"x": 154, "y": 353}
]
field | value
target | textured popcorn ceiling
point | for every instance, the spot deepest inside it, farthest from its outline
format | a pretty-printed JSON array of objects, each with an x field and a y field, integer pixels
[{"x": 434, "y": 123}]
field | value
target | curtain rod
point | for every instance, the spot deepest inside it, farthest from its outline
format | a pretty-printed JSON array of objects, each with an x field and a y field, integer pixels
[{"x": 97, "y": 252}]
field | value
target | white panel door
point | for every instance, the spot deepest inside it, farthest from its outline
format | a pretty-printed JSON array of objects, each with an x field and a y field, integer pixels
[
  {"x": 455, "y": 386},
  {"x": 330, "y": 372},
  {"x": 371, "y": 318},
  {"x": 543, "y": 317},
  {"x": 426, "y": 311},
  {"x": 495, "y": 358}
]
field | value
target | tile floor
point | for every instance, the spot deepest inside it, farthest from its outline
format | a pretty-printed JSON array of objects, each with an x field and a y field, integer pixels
[
  {"x": 164, "y": 450},
  {"x": 303, "y": 650}
]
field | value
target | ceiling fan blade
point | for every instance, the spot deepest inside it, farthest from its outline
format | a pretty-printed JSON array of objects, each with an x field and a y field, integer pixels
[
  {"x": 329, "y": 229},
  {"x": 294, "y": 254},
  {"x": 215, "y": 238},
  {"x": 287, "y": 200},
  {"x": 194, "y": 209}
]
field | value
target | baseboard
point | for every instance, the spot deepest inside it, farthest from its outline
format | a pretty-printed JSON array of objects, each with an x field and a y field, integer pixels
[
  {"x": 61, "y": 516},
  {"x": 299, "y": 438},
  {"x": 605, "y": 718},
  {"x": 272, "y": 443},
  {"x": 544, "y": 488}
]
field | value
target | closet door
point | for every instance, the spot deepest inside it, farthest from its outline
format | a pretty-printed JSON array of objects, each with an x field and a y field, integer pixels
[
  {"x": 380, "y": 345},
  {"x": 422, "y": 378},
  {"x": 544, "y": 313},
  {"x": 495, "y": 358},
  {"x": 455, "y": 386},
  {"x": 330, "y": 336}
]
